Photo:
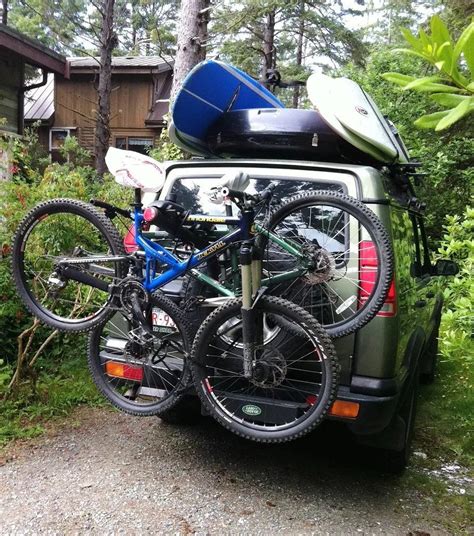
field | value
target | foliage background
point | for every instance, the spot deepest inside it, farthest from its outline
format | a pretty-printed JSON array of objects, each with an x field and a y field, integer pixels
[{"x": 60, "y": 379}]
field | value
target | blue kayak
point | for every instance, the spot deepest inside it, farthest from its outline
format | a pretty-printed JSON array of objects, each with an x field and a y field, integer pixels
[{"x": 211, "y": 89}]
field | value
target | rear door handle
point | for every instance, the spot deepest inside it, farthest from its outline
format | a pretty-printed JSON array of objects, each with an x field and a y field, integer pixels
[{"x": 420, "y": 303}]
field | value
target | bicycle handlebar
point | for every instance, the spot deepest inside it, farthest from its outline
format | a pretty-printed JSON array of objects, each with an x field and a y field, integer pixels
[
  {"x": 264, "y": 195},
  {"x": 268, "y": 192},
  {"x": 273, "y": 78}
]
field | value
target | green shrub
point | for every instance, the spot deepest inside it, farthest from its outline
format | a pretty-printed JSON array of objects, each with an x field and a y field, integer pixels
[
  {"x": 456, "y": 337},
  {"x": 449, "y": 86},
  {"x": 29, "y": 157},
  {"x": 447, "y": 156},
  {"x": 446, "y": 420},
  {"x": 73, "y": 153},
  {"x": 165, "y": 149},
  {"x": 59, "y": 379}
]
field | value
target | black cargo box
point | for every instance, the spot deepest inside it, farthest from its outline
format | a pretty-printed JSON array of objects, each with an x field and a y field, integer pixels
[{"x": 281, "y": 133}]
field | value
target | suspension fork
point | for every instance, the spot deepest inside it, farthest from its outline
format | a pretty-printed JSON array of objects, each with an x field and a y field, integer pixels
[{"x": 252, "y": 319}]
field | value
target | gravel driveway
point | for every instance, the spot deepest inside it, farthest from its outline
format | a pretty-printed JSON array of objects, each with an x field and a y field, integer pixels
[{"x": 112, "y": 473}]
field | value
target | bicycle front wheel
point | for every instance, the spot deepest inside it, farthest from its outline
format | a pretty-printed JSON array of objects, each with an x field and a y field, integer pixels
[
  {"x": 293, "y": 379},
  {"x": 340, "y": 256},
  {"x": 141, "y": 373},
  {"x": 66, "y": 229}
]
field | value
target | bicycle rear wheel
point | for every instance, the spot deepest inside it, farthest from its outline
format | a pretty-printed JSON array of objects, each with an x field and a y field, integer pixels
[
  {"x": 294, "y": 374},
  {"x": 137, "y": 372},
  {"x": 344, "y": 255},
  {"x": 66, "y": 229}
]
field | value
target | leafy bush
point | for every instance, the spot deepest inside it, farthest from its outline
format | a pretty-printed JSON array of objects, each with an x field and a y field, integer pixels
[
  {"x": 447, "y": 156},
  {"x": 59, "y": 379},
  {"x": 449, "y": 86},
  {"x": 17, "y": 197},
  {"x": 73, "y": 153},
  {"x": 446, "y": 419},
  {"x": 166, "y": 150},
  {"x": 29, "y": 157},
  {"x": 456, "y": 337}
]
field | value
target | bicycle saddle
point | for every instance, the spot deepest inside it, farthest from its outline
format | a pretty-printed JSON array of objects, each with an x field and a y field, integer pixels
[{"x": 135, "y": 170}]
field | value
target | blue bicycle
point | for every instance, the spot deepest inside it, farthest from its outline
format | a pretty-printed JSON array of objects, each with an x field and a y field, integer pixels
[{"x": 262, "y": 366}]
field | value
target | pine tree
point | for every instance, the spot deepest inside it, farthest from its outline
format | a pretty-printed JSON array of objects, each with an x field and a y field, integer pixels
[
  {"x": 80, "y": 28},
  {"x": 287, "y": 35},
  {"x": 191, "y": 38},
  {"x": 149, "y": 27},
  {"x": 4, "y": 11},
  {"x": 108, "y": 41}
]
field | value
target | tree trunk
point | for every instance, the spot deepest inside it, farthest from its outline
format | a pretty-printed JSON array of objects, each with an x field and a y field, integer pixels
[
  {"x": 192, "y": 36},
  {"x": 108, "y": 41},
  {"x": 269, "y": 53},
  {"x": 4, "y": 11},
  {"x": 299, "y": 51}
]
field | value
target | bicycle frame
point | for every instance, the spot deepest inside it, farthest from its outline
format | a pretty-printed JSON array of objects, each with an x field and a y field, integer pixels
[
  {"x": 155, "y": 253},
  {"x": 284, "y": 244}
]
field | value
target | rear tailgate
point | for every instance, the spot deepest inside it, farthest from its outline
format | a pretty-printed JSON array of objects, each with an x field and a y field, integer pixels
[{"x": 191, "y": 180}]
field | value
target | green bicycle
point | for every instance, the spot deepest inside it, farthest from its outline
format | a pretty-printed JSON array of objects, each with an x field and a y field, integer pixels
[{"x": 324, "y": 251}]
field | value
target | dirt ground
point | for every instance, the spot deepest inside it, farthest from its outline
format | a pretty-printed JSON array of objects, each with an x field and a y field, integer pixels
[{"x": 105, "y": 472}]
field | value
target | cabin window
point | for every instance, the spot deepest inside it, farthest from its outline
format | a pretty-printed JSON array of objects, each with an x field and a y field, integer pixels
[
  {"x": 139, "y": 145},
  {"x": 57, "y": 137}
]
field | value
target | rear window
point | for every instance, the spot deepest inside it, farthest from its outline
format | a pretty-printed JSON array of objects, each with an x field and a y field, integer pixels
[
  {"x": 192, "y": 193},
  {"x": 323, "y": 226}
]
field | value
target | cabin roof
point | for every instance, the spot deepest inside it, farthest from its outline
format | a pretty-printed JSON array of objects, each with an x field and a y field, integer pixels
[
  {"x": 123, "y": 64},
  {"x": 39, "y": 102},
  {"x": 31, "y": 51}
]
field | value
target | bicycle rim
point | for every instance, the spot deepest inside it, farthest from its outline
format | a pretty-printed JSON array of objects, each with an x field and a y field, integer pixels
[
  {"x": 346, "y": 257},
  {"x": 140, "y": 373},
  {"x": 55, "y": 234},
  {"x": 293, "y": 378}
]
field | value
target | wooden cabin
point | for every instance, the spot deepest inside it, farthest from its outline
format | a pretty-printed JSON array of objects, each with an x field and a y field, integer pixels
[
  {"x": 16, "y": 52},
  {"x": 141, "y": 88}
]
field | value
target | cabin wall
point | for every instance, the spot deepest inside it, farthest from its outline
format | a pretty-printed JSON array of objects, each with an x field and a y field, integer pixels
[
  {"x": 11, "y": 80},
  {"x": 131, "y": 101}
]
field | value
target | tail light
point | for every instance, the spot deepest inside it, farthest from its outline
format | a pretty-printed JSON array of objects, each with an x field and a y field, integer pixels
[
  {"x": 122, "y": 370},
  {"x": 344, "y": 408},
  {"x": 368, "y": 263}
]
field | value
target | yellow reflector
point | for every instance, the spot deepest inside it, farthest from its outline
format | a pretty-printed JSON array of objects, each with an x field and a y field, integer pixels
[
  {"x": 114, "y": 369},
  {"x": 124, "y": 370},
  {"x": 342, "y": 408}
]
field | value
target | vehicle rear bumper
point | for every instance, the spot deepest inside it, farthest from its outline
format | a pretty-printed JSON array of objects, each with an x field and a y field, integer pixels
[{"x": 375, "y": 412}]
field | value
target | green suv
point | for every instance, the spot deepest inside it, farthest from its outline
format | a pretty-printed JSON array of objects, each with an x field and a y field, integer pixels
[{"x": 382, "y": 363}]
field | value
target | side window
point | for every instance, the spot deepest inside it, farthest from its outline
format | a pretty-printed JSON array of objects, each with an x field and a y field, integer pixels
[
  {"x": 423, "y": 263},
  {"x": 426, "y": 255},
  {"x": 139, "y": 145}
]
